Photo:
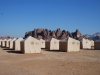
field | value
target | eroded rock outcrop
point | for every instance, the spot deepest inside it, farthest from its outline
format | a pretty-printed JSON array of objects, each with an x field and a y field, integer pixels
[{"x": 47, "y": 34}]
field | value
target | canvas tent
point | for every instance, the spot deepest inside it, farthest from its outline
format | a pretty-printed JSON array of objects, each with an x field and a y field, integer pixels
[
  {"x": 16, "y": 44},
  {"x": 3, "y": 42},
  {"x": 42, "y": 42},
  {"x": 11, "y": 43},
  {"x": 30, "y": 45},
  {"x": 69, "y": 45},
  {"x": 52, "y": 44},
  {"x": 85, "y": 44},
  {"x": 97, "y": 45},
  {"x": 0, "y": 41},
  {"x": 7, "y": 42},
  {"x": 92, "y": 44}
]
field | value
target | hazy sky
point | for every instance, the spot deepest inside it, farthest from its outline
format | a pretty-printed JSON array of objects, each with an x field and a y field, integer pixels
[{"x": 20, "y": 16}]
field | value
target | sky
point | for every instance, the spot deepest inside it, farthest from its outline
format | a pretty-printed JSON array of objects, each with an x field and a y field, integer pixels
[{"x": 20, "y": 16}]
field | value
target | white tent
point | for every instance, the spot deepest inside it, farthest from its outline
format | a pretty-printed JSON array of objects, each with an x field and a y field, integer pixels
[
  {"x": 92, "y": 44},
  {"x": 7, "y": 42},
  {"x": 16, "y": 44},
  {"x": 52, "y": 44},
  {"x": 30, "y": 45},
  {"x": 3, "y": 42},
  {"x": 85, "y": 44},
  {"x": 42, "y": 42},
  {"x": 69, "y": 45},
  {"x": 11, "y": 43},
  {"x": 0, "y": 41}
]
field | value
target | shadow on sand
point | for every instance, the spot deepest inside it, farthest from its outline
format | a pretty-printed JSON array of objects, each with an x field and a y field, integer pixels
[
  {"x": 3, "y": 47},
  {"x": 16, "y": 52},
  {"x": 53, "y": 50},
  {"x": 90, "y": 49},
  {"x": 7, "y": 49}
]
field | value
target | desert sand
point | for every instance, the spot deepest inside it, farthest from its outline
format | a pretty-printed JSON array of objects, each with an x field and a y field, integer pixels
[{"x": 85, "y": 62}]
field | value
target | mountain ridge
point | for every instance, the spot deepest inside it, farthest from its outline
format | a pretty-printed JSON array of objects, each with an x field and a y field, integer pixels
[{"x": 95, "y": 36}]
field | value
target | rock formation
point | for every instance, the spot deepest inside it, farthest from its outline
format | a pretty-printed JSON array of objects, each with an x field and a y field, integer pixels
[
  {"x": 58, "y": 34},
  {"x": 6, "y": 37}
]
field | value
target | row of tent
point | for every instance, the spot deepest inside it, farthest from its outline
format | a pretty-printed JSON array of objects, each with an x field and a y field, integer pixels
[{"x": 32, "y": 45}]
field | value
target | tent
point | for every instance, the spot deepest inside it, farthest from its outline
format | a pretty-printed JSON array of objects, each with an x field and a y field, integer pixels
[
  {"x": 85, "y": 44},
  {"x": 3, "y": 42},
  {"x": 92, "y": 44},
  {"x": 11, "y": 43},
  {"x": 88, "y": 44},
  {"x": 52, "y": 44},
  {"x": 42, "y": 42},
  {"x": 97, "y": 45},
  {"x": 69, "y": 45},
  {"x": 0, "y": 41},
  {"x": 7, "y": 42},
  {"x": 16, "y": 44},
  {"x": 30, "y": 45}
]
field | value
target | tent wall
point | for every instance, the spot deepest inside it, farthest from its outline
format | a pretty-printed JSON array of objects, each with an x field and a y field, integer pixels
[
  {"x": 42, "y": 43},
  {"x": 17, "y": 46},
  {"x": 88, "y": 44},
  {"x": 63, "y": 46},
  {"x": 70, "y": 45},
  {"x": 29, "y": 46},
  {"x": 73, "y": 46},
  {"x": 81, "y": 46},
  {"x": 54, "y": 45},
  {"x": 14, "y": 45},
  {"x": 22, "y": 47},
  {"x": 0, "y": 42},
  {"x": 85, "y": 44},
  {"x": 47, "y": 45},
  {"x": 7, "y": 43},
  {"x": 3, "y": 43},
  {"x": 92, "y": 44},
  {"x": 97, "y": 45},
  {"x": 11, "y": 45}
]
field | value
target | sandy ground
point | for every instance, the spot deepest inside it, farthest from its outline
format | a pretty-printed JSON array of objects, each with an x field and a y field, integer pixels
[{"x": 85, "y": 62}]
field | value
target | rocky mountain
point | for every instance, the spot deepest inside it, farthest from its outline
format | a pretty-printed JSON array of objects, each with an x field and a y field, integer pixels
[
  {"x": 46, "y": 34},
  {"x": 95, "y": 36}
]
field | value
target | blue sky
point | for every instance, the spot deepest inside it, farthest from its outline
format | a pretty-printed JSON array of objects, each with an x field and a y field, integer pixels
[{"x": 20, "y": 16}]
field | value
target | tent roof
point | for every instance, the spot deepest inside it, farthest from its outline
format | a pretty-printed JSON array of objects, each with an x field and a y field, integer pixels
[
  {"x": 42, "y": 40},
  {"x": 13, "y": 39},
  {"x": 69, "y": 39},
  {"x": 5, "y": 40},
  {"x": 19, "y": 39},
  {"x": 9, "y": 39},
  {"x": 51, "y": 40},
  {"x": 30, "y": 38}
]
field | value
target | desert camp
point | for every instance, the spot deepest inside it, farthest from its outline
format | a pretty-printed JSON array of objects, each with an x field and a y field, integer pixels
[{"x": 49, "y": 37}]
